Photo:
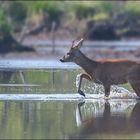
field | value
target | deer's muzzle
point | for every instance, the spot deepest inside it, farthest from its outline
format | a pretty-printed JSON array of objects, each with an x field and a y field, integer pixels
[
  {"x": 61, "y": 60},
  {"x": 66, "y": 58}
]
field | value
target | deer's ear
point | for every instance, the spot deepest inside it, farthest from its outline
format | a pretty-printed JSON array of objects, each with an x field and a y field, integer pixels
[{"x": 79, "y": 43}]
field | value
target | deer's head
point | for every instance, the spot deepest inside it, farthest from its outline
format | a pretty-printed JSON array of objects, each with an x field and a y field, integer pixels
[{"x": 74, "y": 52}]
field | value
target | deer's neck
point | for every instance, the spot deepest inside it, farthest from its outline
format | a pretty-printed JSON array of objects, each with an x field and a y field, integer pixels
[{"x": 87, "y": 64}]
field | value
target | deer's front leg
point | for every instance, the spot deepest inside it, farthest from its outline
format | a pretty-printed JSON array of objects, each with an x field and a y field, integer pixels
[{"x": 80, "y": 82}]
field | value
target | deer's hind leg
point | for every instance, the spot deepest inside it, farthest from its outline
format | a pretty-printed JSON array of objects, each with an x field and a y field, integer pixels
[{"x": 134, "y": 79}]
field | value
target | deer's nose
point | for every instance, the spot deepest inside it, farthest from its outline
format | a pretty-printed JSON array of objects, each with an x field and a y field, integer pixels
[{"x": 61, "y": 60}]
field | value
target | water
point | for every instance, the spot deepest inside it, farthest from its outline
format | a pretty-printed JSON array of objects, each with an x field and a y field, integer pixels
[
  {"x": 35, "y": 64},
  {"x": 39, "y": 100},
  {"x": 55, "y": 119}
]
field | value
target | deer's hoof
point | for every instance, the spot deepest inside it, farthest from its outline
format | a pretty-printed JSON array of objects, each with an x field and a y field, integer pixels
[{"x": 81, "y": 93}]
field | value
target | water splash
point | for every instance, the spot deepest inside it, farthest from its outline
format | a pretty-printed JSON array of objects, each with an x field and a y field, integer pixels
[
  {"x": 78, "y": 80},
  {"x": 92, "y": 88}
]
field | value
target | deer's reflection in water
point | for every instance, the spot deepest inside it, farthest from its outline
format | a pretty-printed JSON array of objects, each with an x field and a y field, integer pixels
[{"x": 107, "y": 123}]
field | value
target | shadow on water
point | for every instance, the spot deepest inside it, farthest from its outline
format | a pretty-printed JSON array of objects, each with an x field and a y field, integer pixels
[{"x": 108, "y": 124}]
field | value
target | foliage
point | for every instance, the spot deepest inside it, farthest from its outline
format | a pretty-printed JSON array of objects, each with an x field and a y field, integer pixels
[
  {"x": 106, "y": 7},
  {"x": 4, "y": 26},
  {"x": 58, "y": 12},
  {"x": 101, "y": 17},
  {"x": 17, "y": 12},
  {"x": 82, "y": 10},
  {"x": 132, "y": 8},
  {"x": 51, "y": 11}
]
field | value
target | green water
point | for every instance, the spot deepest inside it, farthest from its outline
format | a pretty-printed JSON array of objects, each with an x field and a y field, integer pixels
[
  {"x": 36, "y": 119},
  {"x": 58, "y": 120},
  {"x": 48, "y": 119},
  {"x": 38, "y": 81}
]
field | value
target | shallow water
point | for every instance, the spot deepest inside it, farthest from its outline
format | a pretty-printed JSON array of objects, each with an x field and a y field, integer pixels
[
  {"x": 57, "y": 119},
  {"x": 41, "y": 102}
]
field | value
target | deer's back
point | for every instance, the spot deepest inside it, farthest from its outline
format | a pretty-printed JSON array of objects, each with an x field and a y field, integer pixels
[
  {"x": 117, "y": 65},
  {"x": 113, "y": 71}
]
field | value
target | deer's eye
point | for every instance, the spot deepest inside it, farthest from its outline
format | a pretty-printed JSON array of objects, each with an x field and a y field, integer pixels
[{"x": 69, "y": 53}]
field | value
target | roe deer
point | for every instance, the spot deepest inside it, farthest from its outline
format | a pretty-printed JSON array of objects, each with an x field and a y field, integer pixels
[{"x": 105, "y": 72}]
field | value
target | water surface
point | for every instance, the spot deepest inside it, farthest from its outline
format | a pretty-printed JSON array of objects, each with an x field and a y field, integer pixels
[{"x": 37, "y": 101}]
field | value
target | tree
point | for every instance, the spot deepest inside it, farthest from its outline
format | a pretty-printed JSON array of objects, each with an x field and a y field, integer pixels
[{"x": 12, "y": 17}]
